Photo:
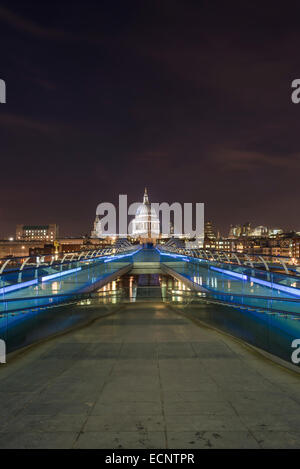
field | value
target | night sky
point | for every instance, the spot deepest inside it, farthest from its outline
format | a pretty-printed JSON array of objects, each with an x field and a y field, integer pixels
[{"x": 189, "y": 98}]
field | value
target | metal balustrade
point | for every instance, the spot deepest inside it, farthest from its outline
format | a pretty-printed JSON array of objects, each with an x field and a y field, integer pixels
[
  {"x": 287, "y": 264},
  {"x": 44, "y": 280},
  {"x": 18, "y": 263},
  {"x": 234, "y": 277}
]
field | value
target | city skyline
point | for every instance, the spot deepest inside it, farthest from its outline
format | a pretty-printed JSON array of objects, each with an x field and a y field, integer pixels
[
  {"x": 86, "y": 232},
  {"x": 149, "y": 227},
  {"x": 200, "y": 113}
]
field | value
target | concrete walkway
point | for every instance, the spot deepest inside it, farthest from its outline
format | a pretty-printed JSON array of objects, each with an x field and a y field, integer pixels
[{"x": 147, "y": 377}]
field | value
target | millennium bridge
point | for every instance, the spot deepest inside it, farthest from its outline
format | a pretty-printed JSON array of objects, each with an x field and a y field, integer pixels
[{"x": 149, "y": 347}]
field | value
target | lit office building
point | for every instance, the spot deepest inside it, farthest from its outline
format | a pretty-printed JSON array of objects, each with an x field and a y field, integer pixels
[{"x": 47, "y": 233}]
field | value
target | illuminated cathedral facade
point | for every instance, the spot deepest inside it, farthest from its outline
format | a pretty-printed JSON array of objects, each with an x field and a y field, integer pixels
[{"x": 145, "y": 225}]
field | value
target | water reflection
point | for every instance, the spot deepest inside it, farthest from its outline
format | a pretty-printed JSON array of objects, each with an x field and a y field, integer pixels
[{"x": 142, "y": 287}]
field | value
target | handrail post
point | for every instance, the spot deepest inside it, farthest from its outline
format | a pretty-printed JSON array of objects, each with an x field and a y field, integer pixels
[
  {"x": 21, "y": 268},
  {"x": 5, "y": 264},
  {"x": 284, "y": 265},
  {"x": 211, "y": 254},
  {"x": 266, "y": 266},
  {"x": 233, "y": 254}
]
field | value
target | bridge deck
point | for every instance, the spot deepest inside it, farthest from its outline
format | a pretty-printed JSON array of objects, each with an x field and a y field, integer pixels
[{"x": 147, "y": 377}]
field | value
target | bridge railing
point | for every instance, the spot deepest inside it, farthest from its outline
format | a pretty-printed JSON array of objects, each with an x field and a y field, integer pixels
[
  {"x": 289, "y": 265},
  {"x": 17, "y": 264},
  {"x": 246, "y": 277},
  {"x": 281, "y": 307},
  {"x": 51, "y": 276},
  {"x": 266, "y": 324}
]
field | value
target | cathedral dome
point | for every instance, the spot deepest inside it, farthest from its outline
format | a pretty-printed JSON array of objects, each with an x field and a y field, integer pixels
[
  {"x": 145, "y": 210},
  {"x": 146, "y": 221}
]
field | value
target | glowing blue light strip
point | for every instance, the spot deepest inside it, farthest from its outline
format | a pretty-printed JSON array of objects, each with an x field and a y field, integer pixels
[
  {"x": 18, "y": 286},
  {"x": 175, "y": 255},
  {"x": 265, "y": 283},
  {"x": 229, "y": 272},
  {"x": 45, "y": 278},
  {"x": 119, "y": 256},
  {"x": 59, "y": 274},
  {"x": 277, "y": 286}
]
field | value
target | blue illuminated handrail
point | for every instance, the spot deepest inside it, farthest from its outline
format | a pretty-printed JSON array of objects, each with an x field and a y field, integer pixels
[
  {"x": 239, "y": 301},
  {"x": 55, "y": 259},
  {"x": 209, "y": 255}
]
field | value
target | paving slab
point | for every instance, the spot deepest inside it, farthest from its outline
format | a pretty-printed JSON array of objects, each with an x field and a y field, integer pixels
[
  {"x": 147, "y": 377},
  {"x": 37, "y": 440},
  {"x": 212, "y": 440},
  {"x": 121, "y": 440}
]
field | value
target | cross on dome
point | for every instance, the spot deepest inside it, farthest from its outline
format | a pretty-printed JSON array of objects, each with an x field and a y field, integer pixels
[{"x": 145, "y": 199}]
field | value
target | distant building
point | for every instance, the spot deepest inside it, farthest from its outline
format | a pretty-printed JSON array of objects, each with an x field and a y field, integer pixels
[
  {"x": 235, "y": 231},
  {"x": 145, "y": 225},
  {"x": 260, "y": 240},
  {"x": 83, "y": 243},
  {"x": 246, "y": 229},
  {"x": 42, "y": 251},
  {"x": 296, "y": 247},
  {"x": 209, "y": 232},
  {"x": 48, "y": 233},
  {"x": 240, "y": 230},
  {"x": 18, "y": 248},
  {"x": 275, "y": 232},
  {"x": 97, "y": 231},
  {"x": 221, "y": 244},
  {"x": 259, "y": 231}
]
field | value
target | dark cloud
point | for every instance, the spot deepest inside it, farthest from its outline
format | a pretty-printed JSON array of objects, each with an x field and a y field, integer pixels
[
  {"x": 191, "y": 99},
  {"x": 26, "y": 25},
  {"x": 16, "y": 122}
]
